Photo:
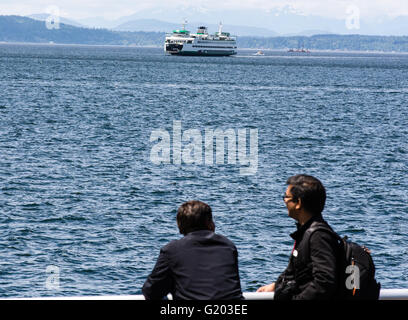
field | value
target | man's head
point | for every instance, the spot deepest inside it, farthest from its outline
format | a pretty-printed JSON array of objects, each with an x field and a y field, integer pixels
[
  {"x": 304, "y": 194},
  {"x": 194, "y": 215}
]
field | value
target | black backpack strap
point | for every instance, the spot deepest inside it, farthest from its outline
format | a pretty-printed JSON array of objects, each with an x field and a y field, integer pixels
[
  {"x": 317, "y": 225},
  {"x": 321, "y": 226}
]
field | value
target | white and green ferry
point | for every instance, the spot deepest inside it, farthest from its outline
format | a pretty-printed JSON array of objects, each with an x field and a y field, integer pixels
[{"x": 182, "y": 42}]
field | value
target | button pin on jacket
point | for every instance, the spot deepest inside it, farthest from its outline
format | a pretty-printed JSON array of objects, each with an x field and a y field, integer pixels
[{"x": 295, "y": 253}]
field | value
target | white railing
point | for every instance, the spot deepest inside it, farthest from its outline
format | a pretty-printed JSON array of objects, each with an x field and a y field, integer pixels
[{"x": 385, "y": 294}]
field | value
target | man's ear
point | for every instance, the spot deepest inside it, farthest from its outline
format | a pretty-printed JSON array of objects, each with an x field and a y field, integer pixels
[
  {"x": 211, "y": 226},
  {"x": 298, "y": 204}
]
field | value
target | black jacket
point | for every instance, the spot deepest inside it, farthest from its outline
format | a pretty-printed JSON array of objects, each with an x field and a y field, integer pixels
[
  {"x": 200, "y": 266},
  {"x": 313, "y": 270}
]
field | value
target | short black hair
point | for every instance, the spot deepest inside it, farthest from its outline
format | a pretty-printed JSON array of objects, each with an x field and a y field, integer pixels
[
  {"x": 194, "y": 215},
  {"x": 310, "y": 190}
]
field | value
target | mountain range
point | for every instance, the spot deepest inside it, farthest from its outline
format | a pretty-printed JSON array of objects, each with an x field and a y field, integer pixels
[
  {"x": 154, "y": 25},
  {"x": 22, "y": 30},
  {"x": 283, "y": 22}
]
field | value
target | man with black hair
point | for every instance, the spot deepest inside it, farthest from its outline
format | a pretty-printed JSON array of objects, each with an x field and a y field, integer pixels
[
  {"x": 202, "y": 265},
  {"x": 313, "y": 270}
]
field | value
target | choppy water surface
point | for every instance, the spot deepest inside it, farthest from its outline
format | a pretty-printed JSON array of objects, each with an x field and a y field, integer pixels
[{"x": 78, "y": 189}]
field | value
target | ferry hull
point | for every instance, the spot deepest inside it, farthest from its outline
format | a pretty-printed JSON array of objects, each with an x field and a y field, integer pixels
[
  {"x": 202, "y": 53},
  {"x": 179, "y": 50}
]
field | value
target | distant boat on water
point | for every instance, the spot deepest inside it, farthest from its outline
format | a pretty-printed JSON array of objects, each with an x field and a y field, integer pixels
[
  {"x": 259, "y": 53},
  {"x": 303, "y": 50},
  {"x": 300, "y": 48}
]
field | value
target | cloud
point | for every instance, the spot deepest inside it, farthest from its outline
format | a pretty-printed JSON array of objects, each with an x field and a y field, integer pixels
[
  {"x": 335, "y": 8},
  {"x": 116, "y": 8}
]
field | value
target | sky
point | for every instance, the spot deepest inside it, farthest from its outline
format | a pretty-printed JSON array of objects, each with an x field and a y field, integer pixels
[{"x": 113, "y": 9}]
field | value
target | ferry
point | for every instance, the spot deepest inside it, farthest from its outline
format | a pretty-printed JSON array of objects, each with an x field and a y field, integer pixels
[{"x": 182, "y": 42}]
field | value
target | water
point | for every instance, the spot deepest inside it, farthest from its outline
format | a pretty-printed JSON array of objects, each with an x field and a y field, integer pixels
[{"x": 79, "y": 191}]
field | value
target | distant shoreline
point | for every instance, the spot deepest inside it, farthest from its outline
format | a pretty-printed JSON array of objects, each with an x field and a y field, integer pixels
[
  {"x": 23, "y": 30},
  {"x": 159, "y": 47},
  {"x": 77, "y": 44},
  {"x": 330, "y": 51}
]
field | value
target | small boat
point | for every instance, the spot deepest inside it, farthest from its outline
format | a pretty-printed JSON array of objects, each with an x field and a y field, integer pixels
[
  {"x": 259, "y": 53},
  {"x": 302, "y": 50}
]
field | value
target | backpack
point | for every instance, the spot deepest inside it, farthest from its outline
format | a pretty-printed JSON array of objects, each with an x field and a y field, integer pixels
[{"x": 357, "y": 270}]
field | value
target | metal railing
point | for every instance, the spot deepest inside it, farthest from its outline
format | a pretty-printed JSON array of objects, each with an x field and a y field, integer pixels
[{"x": 385, "y": 294}]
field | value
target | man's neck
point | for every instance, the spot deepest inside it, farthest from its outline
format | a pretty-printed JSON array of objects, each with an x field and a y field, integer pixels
[{"x": 304, "y": 217}]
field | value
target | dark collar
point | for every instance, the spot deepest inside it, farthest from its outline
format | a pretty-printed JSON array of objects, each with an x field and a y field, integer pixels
[
  {"x": 200, "y": 233},
  {"x": 298, "y": 234}
]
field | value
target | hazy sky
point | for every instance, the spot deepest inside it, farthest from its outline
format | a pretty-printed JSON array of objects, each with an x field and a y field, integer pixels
[{"x": 112, "y": 9}]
